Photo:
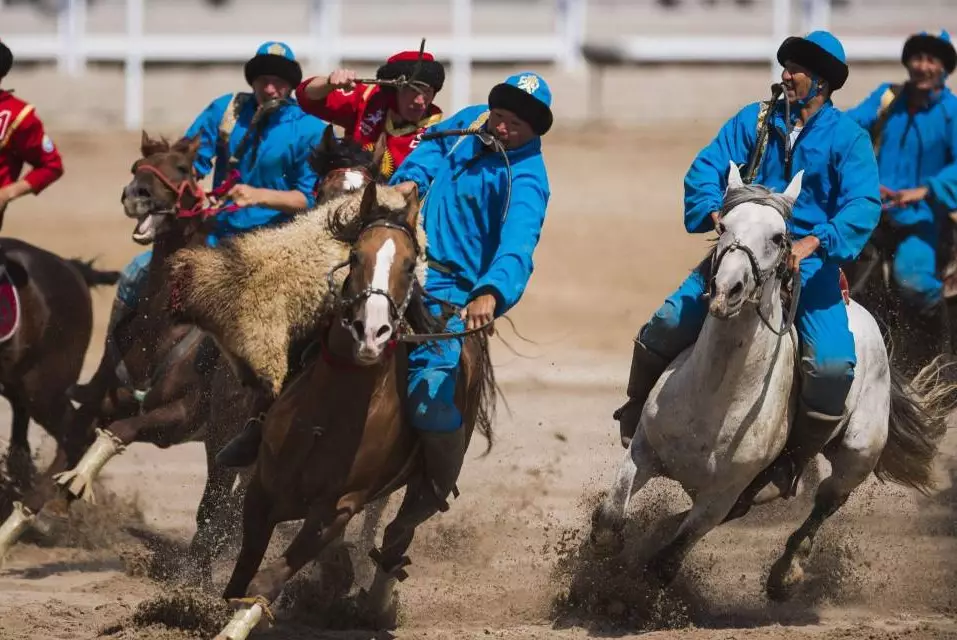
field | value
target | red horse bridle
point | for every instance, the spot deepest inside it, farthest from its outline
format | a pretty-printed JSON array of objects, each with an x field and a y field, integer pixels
[{"x": 189, "y": 187}]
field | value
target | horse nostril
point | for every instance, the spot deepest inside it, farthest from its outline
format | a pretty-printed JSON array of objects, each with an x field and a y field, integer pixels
[
  {"x": 736, "y": 290},
  {"x": 358, "y": 327},
  {"x": 384, "y": 330},
  {"x": 142, "y": 192}
]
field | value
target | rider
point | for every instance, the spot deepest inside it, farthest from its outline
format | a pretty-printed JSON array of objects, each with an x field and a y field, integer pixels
[
  {"x": 838, "y": 209},
  {"x": 913, "y": 129},
  {"x": 271, "y": 156},
  {"x": 483, "y": 217},
  {"x": 367, "y": 111},
  {"x": 23, "y": 141}
]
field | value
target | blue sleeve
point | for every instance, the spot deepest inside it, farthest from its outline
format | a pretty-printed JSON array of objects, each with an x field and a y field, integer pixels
[
  {"x": 511, "y": 268},
  {"x": 423, "y": 163},
  {"x": 206, "y": 125},
  {"x": 943, "y": 186},
  {"x": 858, "y": 201},
  {"x": 707, "y": 178},
  {"x": 302, "y": 176},
  {"x": 865, "y": 113}
]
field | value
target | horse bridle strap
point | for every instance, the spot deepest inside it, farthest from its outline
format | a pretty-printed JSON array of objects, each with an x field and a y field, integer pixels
[{"x": 761, "y": 277}]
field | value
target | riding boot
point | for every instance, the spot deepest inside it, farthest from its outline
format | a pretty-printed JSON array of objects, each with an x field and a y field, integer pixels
[
  {"x": 94, "y": 389},
  {"x": 812, "y": 431},
  {"x": 646, "y": 368},
  {"x": 444, "y": 453},
  {"x": 243, "y": 449}
]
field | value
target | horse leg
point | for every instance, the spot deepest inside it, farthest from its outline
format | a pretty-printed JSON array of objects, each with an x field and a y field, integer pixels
[
  {"x": 608, "y": 520},
  {"x": 19, "y": 462},
  {"x": 850, "y": 467},
  {"x": 707, "y": 512},
  {"x": 212, "y": 523},
  {"x": 367, "y": 538},
  {"x": 258, "y": 526},
  {"x": 78, "y": 482}
]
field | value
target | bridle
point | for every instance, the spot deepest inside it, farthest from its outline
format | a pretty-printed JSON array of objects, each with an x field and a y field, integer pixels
[
  {"x": 778, "y": 270},
  {"x": 189, "y": 187}
]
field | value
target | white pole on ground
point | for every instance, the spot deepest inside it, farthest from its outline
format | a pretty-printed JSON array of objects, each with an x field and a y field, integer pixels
[
  {"x": 325, "y": 23},
  {"x": 461, "y": 53},
  {"x": 781, "y": 29},
  {"x": 71, "y": 26},
  {"x": 570, "y": 27},
  {"x": 133, "y": 116}
]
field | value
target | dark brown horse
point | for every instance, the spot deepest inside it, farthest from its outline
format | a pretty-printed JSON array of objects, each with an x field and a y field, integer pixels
[
  {"x": 168, "y": 383},
  {"x": 335, "y": 439},
  {"x": 45, "y": 354}
]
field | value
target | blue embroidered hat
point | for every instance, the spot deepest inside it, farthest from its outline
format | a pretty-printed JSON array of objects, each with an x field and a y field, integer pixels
[
  {"x": 938, "y": 45},
  {"x": 274, "y": 59},
  {"x": 819, "y": 52},
  {"x": 528, "y": 96}
]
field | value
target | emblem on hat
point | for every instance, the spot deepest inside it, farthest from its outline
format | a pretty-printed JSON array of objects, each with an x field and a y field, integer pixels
[
  {"x": 277, "y": 49},
  {"x": 528, "y": 83}
]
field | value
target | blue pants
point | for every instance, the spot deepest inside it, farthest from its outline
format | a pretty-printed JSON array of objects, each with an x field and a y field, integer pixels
[
  {"x": 915, "y": 266},
  {"x": 132, "y": 280},
  {"x": 827, "y": 345},
  {"x": 433, "y": 367}
]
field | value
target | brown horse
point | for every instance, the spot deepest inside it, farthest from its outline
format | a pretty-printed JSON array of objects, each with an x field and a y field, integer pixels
[
  {"x": 169, "y": 383},
  {"x": 335, "y": 439},
  {"x": 45, "y": 354}
]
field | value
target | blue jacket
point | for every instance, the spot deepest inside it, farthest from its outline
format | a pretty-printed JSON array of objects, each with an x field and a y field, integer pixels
[
  {"x": 915, "y": 148},
  {"x": 840, "y": 193},
  {"x": 281, "y": 162},
  {"x": 464, "y": 186}
]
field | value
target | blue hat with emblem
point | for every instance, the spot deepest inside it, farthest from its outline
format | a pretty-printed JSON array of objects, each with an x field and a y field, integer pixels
[
  {"x": 938, "y": 45},
  {"x": 820, "y": 53},
  {"x": 528, "y": 96},
  {"x": 274, "y": 59}
]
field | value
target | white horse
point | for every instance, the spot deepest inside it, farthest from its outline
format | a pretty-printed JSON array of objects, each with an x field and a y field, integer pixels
[{"x": 721, "y": 412}]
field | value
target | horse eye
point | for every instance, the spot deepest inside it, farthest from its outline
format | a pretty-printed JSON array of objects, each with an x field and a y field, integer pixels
[
  {"x": 182, "y": 168},
  {"x": 778, "y": 239}
]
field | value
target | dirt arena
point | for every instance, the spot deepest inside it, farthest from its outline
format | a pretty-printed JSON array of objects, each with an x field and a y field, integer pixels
[{"x": 503, "y": 561}]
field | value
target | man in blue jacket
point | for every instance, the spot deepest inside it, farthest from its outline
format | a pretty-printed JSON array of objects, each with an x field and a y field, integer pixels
[
  {"x": 833, "y": 218},
  {"x": 275, "y": 181},
  {"x": 483, "y": 218},
  {"x": 913, "y": 128}
]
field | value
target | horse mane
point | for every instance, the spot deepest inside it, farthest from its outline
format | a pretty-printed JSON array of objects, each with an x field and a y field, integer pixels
[
  {"x": 347, "y": 154},
  {"x": 756, "y": 194}
]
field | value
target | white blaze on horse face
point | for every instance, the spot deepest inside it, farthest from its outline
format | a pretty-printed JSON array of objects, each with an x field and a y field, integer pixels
[
  {"x": 353, "y": 180},
  {"x": 375, "y": 316}
]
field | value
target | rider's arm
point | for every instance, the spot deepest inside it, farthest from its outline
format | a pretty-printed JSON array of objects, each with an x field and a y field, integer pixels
[
  {"x": 858, "y": 200},
  {"x": 707, "y": 178},
  {"x": 206, "y": 126},
  {"x": 38, "y": 150},
  {"x": 510, "y": 269},
  {"x": 340, "y": 107},
  {"x": 423, "y": 163},
  {"x": 865, "y": 113},
  {"x": 942, "y": 187}
]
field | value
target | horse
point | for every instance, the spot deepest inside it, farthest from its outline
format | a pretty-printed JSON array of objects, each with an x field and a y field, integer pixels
[
  {"x": 44, "y": 355},
  {"x": 336, "y": 438},
  {"x": 168, "y": 383},
  {"x": 721, "y": 412},
  {"x": 915, "y": 340}
]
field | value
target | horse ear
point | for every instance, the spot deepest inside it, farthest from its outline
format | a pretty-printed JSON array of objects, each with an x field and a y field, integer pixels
[
  {"x": 188, "y": 146},
  {"x": 734, "y": 177},
  {"x": 328, "y": 142},
  {"x": 148, "y": 146},
  {"x": 794, "y": 189},
  {"x": 369, "y": 201},
  {"x": 410, "y": 190},
  {"x": 378, "y": 152}
]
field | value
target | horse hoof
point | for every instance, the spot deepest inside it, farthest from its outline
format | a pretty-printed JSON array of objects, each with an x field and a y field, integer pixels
[
  {"x": 379, "y": 615},
  {"x": 607, "y": 541},
  {"x": 49, "y": 523},
  {"x": 784, "y": 580}
]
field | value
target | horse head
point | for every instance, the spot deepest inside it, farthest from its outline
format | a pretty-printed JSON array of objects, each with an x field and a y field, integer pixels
[
  {"x": 753, "y": 244},
  {"x": 164, "y": 188},
  {"x": 383, "y": 268},
  {"x": 345, "y": 164}
]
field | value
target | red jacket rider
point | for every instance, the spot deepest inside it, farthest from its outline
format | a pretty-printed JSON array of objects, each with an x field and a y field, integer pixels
[
  {"x": 366, "y": 111},
  {"x": 23, "y": 141}
]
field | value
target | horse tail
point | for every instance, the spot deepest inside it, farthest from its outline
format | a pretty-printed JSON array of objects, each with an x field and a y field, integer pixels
[
  {"x": 918, "y": 421},
  {"x": 485, "y": 390},
  {"x": 92, "y": 276}
]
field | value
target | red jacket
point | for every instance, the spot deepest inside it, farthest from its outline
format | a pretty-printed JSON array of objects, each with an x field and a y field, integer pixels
[
  {"x": 364, "y": 113},
  {"x": 23, "y": 141}
]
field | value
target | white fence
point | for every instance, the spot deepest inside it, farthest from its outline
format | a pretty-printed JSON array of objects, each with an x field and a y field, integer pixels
[{"x": 322, "y": 44}]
